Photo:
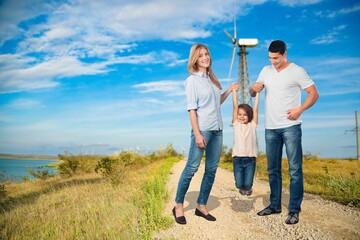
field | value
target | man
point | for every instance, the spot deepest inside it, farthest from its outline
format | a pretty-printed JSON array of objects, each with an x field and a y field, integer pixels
[{"x": 283, "y": 82}]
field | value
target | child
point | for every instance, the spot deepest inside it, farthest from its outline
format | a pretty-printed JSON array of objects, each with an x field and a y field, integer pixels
[{"x": 244, "y": 152}]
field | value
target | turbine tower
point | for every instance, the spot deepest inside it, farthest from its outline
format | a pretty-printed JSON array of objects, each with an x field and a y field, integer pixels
[{"x": 243, "y": 75}]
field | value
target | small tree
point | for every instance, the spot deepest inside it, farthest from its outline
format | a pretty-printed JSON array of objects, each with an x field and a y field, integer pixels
[
  {"x": 227, "y": 156},
  {"x": 69, "y": 165},
  {"x": 40, "y": 174},
  {"x": 168, "y": 151},
  {"x": 76, "y": 164},
  {"x": 114, "y": 168}
]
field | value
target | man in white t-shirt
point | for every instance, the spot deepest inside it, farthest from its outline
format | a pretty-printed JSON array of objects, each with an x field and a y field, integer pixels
[{"x": 283, "y": 82}]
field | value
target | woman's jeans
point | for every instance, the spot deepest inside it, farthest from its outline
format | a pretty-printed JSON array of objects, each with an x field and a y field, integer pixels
[
  {"x": 213, "y": 149},
  {"x": 275, "y": 139},
  {"x": 244, "y": 170}
]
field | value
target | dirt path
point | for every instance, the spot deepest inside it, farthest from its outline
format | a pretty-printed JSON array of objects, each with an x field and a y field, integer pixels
[{"x": 237, "y": 219}]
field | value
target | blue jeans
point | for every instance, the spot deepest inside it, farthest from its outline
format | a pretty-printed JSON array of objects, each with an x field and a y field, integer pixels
[
  {"x": 213, "y": 148},
  {"x": 244, "y": 170},
  {"x": 275, "y": 139}
]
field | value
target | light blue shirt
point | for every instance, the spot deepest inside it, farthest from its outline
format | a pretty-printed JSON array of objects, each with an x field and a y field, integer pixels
[{"x": 203, "y": 96}]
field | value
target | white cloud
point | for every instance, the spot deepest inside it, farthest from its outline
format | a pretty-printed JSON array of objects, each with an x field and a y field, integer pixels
[
  {"x": 346, "y": 80},
  {"x": 26, "y": 104},
  {"x": 19, "y": 75},
  {"x": 331, "y": 37},
  {"x": 355, "y": 8},
  {"x": 58, "y": 33},
  {"x": 342, "y": 11},
  {"x": 293, "y": 3},
  {"x": 74, "y": 25},
  {"x": 169, "y": 88},
  {"x": 13, "y": 12},
  {"x": 58, "y": 36}
]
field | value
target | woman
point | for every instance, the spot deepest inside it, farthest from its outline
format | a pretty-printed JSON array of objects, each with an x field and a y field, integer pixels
[{"x": 203, "y": 93}]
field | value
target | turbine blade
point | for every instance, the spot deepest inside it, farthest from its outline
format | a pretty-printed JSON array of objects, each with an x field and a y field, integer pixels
[
  {"x": 228, "y": 34},
  {"x": 232, "y": 61},
  {"x": 234, "y": 21},
  {"x": 232, "y": 39}
]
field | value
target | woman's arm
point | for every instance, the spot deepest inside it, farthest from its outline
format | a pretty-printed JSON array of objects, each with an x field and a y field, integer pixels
[
  {"x": 225, "y": 94},
  {"x": 200, "y": 140},
  {"x": 256, "y": 108}
]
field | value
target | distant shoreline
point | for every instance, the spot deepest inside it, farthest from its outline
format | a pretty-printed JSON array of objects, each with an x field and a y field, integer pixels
[{"x": 28, "y": 157}]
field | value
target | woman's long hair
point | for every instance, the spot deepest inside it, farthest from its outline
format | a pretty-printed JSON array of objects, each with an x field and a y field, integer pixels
[{"x": 194, "y": 56}]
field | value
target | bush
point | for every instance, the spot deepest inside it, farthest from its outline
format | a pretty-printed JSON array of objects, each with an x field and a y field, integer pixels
[
  {"x": 76, "y": 164},
  {"x": 114, "y": 168},
  {"x": 346, "y": 189},
  {"x": 40, "y": 174},
  {"x": 227, "y": 156},
  {"x": 168, "y": 151}
]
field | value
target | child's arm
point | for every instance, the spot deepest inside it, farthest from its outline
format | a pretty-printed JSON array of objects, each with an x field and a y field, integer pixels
[
  {"x": 256, "y": 108},
  {"x": 235, "y": 106}
]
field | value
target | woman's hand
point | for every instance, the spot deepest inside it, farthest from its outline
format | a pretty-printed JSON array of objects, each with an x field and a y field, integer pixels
[
  {"x": 200, "y": 141},
  {"x": 234, "y": 87}
]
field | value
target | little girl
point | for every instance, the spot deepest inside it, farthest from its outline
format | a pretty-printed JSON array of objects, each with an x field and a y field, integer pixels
[{"x": 244, "y": 152}]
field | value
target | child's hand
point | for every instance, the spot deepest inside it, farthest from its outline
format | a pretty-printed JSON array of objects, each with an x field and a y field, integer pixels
[{"x": 234, "y": 87}]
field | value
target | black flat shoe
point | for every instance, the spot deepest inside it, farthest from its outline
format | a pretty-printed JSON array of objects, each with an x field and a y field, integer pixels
[
  {"x": 179, "y": 220},
  {"x": 208, "y": 217}
]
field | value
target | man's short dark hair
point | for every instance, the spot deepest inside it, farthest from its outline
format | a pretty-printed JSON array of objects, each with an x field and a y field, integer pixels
[{"x": 277, "y": 46}]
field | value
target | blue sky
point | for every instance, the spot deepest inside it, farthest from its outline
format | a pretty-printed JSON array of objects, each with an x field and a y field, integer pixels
[{"x": 104, "y": 76}]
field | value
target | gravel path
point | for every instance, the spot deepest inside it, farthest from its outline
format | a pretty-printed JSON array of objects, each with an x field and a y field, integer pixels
[{"x": 237, "y": 219}]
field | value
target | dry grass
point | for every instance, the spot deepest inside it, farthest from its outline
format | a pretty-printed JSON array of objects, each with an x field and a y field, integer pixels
[{"x": 81, "y": 207}]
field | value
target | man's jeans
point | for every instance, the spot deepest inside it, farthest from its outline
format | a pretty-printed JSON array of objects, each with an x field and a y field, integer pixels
[
  {"x": 213, "y": 148},
  {"x": 244, "y": 170},
  {"x": 275, "y": 139}
]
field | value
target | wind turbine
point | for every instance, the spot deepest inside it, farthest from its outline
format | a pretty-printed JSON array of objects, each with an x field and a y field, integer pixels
[{"x": 243, "y": 75}]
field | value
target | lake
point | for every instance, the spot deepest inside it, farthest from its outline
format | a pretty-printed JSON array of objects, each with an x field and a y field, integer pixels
[{"x": 15, "y": 169}]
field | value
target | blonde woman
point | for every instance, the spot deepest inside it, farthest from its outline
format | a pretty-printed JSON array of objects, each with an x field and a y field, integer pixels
[{"x": 204, "y": 97}]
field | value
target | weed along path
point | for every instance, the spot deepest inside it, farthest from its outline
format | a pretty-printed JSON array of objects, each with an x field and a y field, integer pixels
[{"x": 237, "y": 219}]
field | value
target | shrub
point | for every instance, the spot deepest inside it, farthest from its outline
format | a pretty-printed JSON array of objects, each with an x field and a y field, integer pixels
[
  {"x": 114, "y": 168},
  {"x": 227, "y": 156},
  {"x": 40, "y": 174},
  {"x": 168, "y": 151},
  {"x": 76, "y": 164}
]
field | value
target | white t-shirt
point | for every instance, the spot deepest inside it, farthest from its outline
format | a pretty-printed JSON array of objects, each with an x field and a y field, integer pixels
[
  {"x": 282, "y": 92},
  {"x": 244, "y": 139}
]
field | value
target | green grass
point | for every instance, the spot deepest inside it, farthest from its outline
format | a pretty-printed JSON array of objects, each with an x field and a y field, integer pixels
[
  {"x": 332, "y": 179},
  {"x": 87, "y": 206}
]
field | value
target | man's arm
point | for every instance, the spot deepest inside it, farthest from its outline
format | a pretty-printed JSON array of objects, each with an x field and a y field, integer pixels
[{"x": 311, "y": 99}]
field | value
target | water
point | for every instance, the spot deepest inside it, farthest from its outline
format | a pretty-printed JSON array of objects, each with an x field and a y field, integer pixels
[{"x": 16, "y": 169}]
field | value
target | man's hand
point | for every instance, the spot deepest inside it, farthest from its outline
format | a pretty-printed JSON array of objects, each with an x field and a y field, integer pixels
[
  {"x": 257, "y": 87},
  {"x": 294, "y": 114}
]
